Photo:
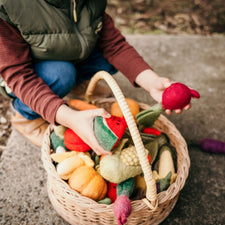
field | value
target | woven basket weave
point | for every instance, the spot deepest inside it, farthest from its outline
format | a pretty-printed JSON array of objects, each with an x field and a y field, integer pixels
[{"x": 77, "y": 209}]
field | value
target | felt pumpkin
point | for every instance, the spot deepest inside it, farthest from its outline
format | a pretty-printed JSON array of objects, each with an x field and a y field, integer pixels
[
  {"x": 88, "y": 182},
  {"x": 133, "y": 105}
]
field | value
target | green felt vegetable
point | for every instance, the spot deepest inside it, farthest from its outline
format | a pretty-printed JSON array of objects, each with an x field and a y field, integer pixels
[
  {"x": 126, "y": 187},
  {"x": 56, "y": 141},
  {"x": 148, "y": 117},
  {"x": 106, "y": 201},
  {"x": 114, "y": 170}
]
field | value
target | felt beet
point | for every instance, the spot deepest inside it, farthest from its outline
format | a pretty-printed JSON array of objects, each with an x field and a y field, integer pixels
[
  {"x": 177, "y": 96},
  {"x": 122, "y": 209},
  {"x": 74, "y": 143},
  {"x": 212, "y": 146}
]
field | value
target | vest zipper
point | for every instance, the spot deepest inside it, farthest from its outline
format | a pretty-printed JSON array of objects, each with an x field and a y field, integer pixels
[{"x": 80, "y": 37}]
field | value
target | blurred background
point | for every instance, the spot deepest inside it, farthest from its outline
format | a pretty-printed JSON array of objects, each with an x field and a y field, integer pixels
[{"x": 203, "y": 17}]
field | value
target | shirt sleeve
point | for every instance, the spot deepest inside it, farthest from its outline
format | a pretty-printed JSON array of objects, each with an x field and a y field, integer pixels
[
  {"x": 16, "y": 68},
  {"x": 119, "y": 52}
]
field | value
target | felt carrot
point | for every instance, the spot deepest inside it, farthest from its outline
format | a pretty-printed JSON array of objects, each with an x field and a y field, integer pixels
[
  {"x": 211, "y": 146},
  {"x": 81, "y": 105}
]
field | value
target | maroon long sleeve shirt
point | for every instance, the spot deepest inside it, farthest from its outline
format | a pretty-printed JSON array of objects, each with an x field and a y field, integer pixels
[{"x": 16, "y": 66}]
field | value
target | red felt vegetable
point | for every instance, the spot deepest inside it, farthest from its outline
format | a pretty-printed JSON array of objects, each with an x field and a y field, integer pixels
[
  {"x": 212, "y": 146},
  {"x": 177, "y": 96},
  {"x": 122, "y": 209},
  {"x": 150, "y": 130},
  {"x": 74, "y": 143},
  {"x": 112, "y": 191}
]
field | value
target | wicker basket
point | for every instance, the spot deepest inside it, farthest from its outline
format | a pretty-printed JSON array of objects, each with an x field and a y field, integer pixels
[{"x": 77, "y": 209}]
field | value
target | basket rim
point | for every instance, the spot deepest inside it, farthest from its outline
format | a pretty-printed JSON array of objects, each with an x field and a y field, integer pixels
[{"x": 170, "y": 193}]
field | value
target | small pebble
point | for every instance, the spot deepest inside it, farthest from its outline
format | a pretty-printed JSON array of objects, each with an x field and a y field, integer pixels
[{"x": 3, "y": 120}]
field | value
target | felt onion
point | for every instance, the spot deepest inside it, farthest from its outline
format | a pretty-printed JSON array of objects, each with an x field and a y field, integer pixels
[{"x": 212, "y": 146}]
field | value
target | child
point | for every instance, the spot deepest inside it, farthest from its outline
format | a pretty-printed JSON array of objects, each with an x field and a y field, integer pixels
[{"x": 49, "y": 46}]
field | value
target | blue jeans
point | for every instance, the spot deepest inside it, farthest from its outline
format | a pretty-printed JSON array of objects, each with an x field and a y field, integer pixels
[{"x": 61, "y": 76}]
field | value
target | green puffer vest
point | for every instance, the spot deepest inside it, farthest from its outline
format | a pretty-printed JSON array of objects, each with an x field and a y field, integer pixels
[{"x": 49, "y": 26}]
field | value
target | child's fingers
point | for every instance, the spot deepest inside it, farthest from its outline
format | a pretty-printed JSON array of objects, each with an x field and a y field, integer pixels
[
  {"x": 100, "y": 112},
  {"x": 178, "y": 111},
  {"x": 187, "y": 106},
  {"x": 168, "y": 111}
]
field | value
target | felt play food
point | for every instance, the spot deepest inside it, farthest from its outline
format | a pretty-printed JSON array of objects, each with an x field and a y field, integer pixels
[
  {"x": 114, "y": 170},
  {"x": 56, "y": 141},
  {"x": 59, "y": 157},
  {"x": 177, "y": 96},
  {"x": 166, "y": 165},
  {"x": 88, "y": 182},
  {"x": 124, "y": 188},
  {"x": 147, "y": 117},
  {"x": 122, "y": 206},
  {"x": 81, "y": 105},
  {"x": 129, "y": 156},
  {"x": 151, "y": 130},
  {"x": 211, "y": 146},
  {"x": 109, "y": 131},
  {"x": 133, "y": 105},
  {"x": 59, "y": 130},
  {"x": 74, "y": 143},
  {"x": 122, "y": 209},
  {"x": 66, "y": 167}
]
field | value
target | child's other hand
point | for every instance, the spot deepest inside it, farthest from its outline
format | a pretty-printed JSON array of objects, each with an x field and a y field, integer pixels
[
  {"x": 156, "y": 85},
  {"x": 81, "y": 122}
]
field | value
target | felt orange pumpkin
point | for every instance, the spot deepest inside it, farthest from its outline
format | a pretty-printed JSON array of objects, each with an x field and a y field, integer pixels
[
  {"x": 88, "y": 182},
  {"x": 133, "y": 105}
]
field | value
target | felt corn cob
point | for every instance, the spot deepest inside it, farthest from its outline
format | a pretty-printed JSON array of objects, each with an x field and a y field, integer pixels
[
  {"x": 129, "y": 156},
  {"x": 109, "y": 131}
]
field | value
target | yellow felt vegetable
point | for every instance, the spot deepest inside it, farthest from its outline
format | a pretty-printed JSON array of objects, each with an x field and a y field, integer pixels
[
  {"x": 88, "y": 182},
  {"x": 133, "y": 105},
  {"x": 166, "y": 165},
  {"x": 66, "y": 167},
  {"x": 59, "y": 157}
]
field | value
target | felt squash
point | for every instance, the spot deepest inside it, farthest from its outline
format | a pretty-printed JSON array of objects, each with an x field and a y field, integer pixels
[
  {"x": 88, "y": 182},
  {"x": 133, "y": 105}
]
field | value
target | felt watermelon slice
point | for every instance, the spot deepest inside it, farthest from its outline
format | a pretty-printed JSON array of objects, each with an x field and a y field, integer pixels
[{"x": 109, "y": 131}]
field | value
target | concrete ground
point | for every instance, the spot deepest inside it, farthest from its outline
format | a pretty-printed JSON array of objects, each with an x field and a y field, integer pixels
[{"x": 194, "y": 60}]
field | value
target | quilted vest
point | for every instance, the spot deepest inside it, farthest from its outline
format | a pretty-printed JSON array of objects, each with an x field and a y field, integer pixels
[{"x": 56, "y": 29}]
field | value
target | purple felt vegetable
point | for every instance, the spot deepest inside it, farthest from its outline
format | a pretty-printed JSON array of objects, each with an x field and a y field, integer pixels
[{"x": 212, "y": 146}]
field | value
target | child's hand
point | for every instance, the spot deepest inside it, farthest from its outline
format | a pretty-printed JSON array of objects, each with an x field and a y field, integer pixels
[
  {"x": 156, "y": 85},
  {"x": 81, "y": 122}
]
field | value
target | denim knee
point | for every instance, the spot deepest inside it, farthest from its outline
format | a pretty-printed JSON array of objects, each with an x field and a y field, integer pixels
[{"x": 60, "y": 76}]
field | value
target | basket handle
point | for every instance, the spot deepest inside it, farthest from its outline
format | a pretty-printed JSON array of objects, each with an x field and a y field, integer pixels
[{"x": 151, "y": 193}]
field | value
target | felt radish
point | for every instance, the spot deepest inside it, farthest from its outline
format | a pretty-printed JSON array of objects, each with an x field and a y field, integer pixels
[
  {"x": 211, "y": 146},
  {"x": 122, "y": 209},
  {"x": 119, "y": 194},
  {"x": 177, "y": 96}
]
